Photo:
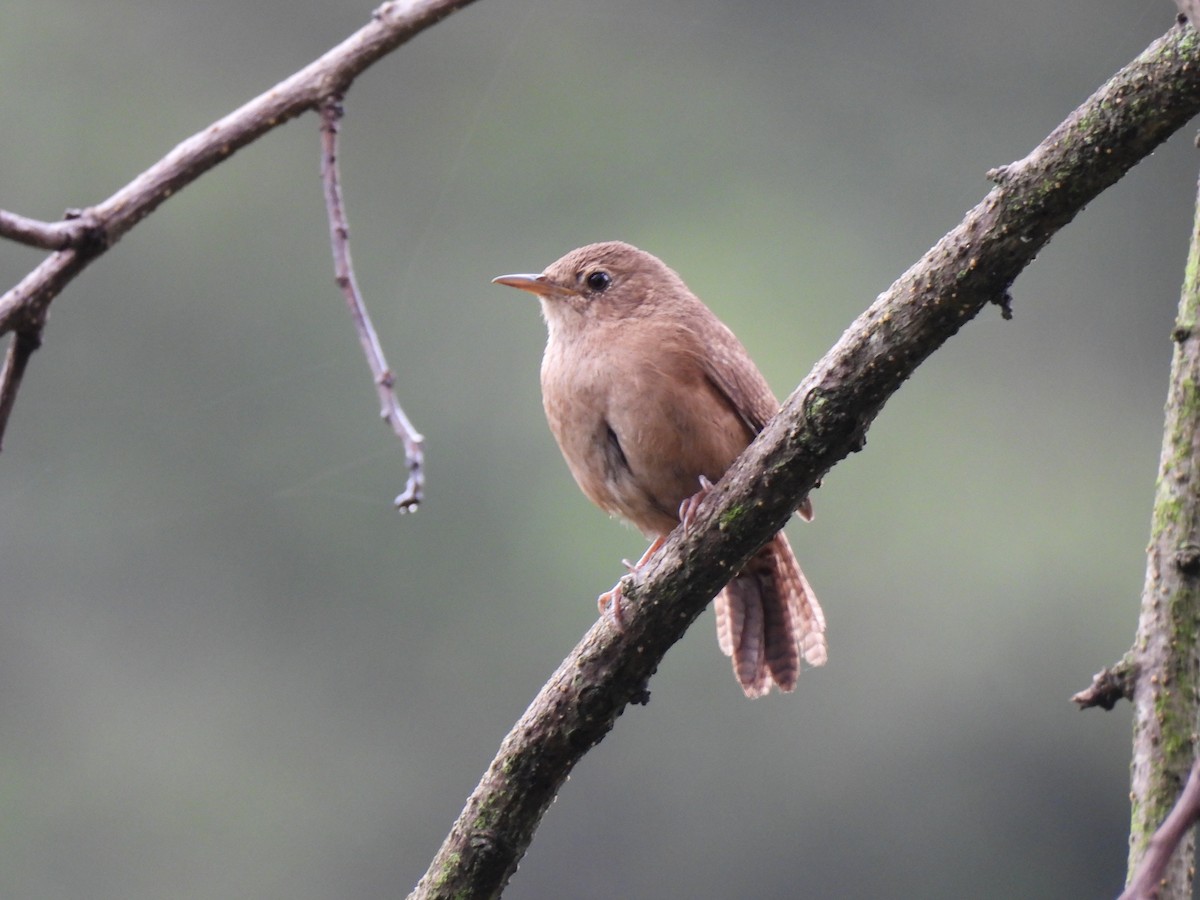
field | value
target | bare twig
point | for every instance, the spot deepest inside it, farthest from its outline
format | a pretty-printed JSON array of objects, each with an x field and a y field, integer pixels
[
  {"x": 1149, "y": 879},
  {"x": 339, "y": 233},
  {"x": 69, "y": 232},
  {"x": 392, "y": 24},
  {"x": 824, "y": 420},
  {"x": 1109, "y": 686},
  {"x": 20, "y": 348}
]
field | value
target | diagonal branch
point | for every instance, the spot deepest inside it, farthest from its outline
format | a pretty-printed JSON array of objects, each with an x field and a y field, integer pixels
[
  {"x": 823, "y": 421},
  {"x": 24, "y": 306}
]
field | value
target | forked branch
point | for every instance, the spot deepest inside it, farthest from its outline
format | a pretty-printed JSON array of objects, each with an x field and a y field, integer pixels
[{"x": 87, "y": 233}]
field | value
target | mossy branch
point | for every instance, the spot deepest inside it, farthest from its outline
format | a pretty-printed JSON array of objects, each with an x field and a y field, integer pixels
[{"x": 1165, "y": 654}]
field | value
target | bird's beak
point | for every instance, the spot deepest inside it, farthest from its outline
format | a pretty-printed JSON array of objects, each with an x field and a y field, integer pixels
[{"x": 535, "y": 284}]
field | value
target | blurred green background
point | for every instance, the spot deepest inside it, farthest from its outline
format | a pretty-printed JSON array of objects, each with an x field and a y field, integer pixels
[{"x": 229, "y": 669}]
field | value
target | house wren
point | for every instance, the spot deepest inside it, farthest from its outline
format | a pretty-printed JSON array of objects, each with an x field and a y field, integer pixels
[{"x": 651, "y": 398}]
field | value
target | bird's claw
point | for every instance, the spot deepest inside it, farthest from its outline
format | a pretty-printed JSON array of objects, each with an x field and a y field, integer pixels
[
  {"x": 610, "y": 601},
  {"x": 690, "y": 507},
  {"x": 609, "y": 604}
]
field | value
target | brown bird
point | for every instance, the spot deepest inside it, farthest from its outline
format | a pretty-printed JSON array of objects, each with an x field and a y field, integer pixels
[{"x": 651, "y": 397}]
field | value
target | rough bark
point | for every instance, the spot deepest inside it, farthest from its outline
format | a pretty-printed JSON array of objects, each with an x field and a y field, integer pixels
[{"x": 1165, "y": 655}]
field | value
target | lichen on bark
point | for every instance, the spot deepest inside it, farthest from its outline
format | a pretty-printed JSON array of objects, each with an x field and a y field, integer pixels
[{"x": 1165, "y": 693}]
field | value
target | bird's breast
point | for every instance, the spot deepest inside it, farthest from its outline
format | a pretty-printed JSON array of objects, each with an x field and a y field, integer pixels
[{"x": 638, "y": 426}]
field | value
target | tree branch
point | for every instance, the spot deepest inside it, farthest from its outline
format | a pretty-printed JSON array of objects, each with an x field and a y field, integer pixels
[
  {"x": 1109, "y": 686},
  {"x": 1166, "y": 701},
  {"x": 20, "y": 348},
  {"x": 339, "y": 234},
  {"x": 824, "y": 420},
  {"x": 23, "y": 307},
  {"x": 70, "y": 232}
]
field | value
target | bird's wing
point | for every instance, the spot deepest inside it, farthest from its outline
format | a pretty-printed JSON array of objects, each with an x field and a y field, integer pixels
[
  {"x": 727, "y": 365},
  {"x": 729, "y": 369}
]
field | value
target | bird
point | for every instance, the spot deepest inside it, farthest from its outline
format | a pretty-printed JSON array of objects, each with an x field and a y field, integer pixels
[{"x": 651, "y": 397}]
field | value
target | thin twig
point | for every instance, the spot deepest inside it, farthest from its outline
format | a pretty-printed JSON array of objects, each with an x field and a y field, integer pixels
[
  {"x": 1109, "y": 686},
  {"x": 392, "y": 24},
  {"x": 44, "y": 235},
  {"x": 20, "y": 348},
  {"x": 824, "y": 420},
  {"x": 1148, "y": 879},
  {"x": 339, "y": 234}
]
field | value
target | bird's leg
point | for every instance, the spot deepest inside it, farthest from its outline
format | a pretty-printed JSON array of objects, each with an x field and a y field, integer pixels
[
  {"x": 650, "y": 551},
  {"x": 610, "y": 601},
  {"x": 610, "y": 606}
]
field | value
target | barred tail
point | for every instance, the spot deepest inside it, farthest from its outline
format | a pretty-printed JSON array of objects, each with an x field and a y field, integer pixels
[{"x": 768, "y": 619}]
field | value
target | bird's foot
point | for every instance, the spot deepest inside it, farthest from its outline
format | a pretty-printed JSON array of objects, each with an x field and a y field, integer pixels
[
  {"x": 609, "y": 604},
  {"x": 645, "y": 557},
  {"x": 610, "y": 601},
  {"x": 689, "y": 508}
]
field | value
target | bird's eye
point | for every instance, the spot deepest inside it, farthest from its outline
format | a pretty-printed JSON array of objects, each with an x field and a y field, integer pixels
[{"x": 598, "y": 280}]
